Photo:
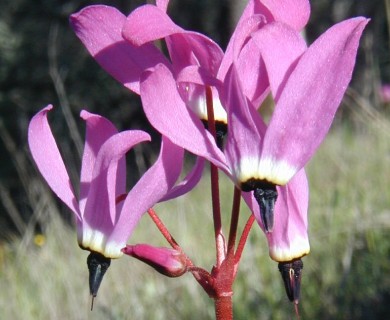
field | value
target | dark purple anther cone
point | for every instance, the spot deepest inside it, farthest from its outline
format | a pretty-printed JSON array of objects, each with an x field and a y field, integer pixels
[
  {"x": 291, "y": 272},
  {"x": 97, "y": 266},
  {"x": 266, "y": 195},
  {"x": 266, "y": 198}
]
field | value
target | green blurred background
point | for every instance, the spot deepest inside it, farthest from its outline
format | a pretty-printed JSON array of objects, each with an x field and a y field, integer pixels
[{"x": 43, "y": 275}]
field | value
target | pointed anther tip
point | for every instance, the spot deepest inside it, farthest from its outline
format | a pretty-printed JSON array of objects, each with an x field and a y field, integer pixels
[
  {"x": 92, "y": 299},
  {"x": 97, "y": 266},
  {"x": 291, "y": 272}
]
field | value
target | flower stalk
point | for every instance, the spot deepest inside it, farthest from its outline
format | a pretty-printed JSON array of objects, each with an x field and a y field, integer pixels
[{"x": 219, "y": 238}]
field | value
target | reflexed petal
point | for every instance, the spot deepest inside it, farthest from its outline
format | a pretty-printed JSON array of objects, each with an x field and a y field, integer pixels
[
  {"x": 243, "y": 146},
  {"x": 247, "y": 59},
  {"x": 48, "y": 159},
  {"x": 150, "y": 189},
  {"x": 100, "y": 29},
  {"x": 148, "y": 23},
  {"x": 243, "y": 31},
  {"x": 167, "y": 112},
  {"x": 280, "y": 48},
  {"x": 191, "y": 48},
  {"x": 100, "y": 211},
  {"x": 295, "y": 13},
  {"x": 253, "y": 74},
  {"x": 98, "y": 130},
  {"x": 310, "y": 98}
]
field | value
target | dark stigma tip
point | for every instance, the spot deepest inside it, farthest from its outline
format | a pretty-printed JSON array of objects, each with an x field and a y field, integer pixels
[
  {"x": 266, "y": 198},
  {"x": 291, "y": 272},
  {"x": 97, "y": 266}
]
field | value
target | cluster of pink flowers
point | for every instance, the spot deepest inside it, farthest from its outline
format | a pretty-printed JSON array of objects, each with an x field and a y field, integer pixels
[{"x": 266, "y": 55}]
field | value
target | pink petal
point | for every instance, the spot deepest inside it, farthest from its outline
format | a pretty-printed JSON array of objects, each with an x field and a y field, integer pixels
[
  {"x": 167, "y": 112},
  {"x": 100, "y": 209},
  {"x": 197, "y": 75},
  {"x": 150, "y": 189},
  {"x": 252, "y": 72},
  {"x": 246, "y": 130},
  {"x": 255, "y": 16},
  {"x": 280, "y": 48},
  {"x": 149, "y": 23},
  {"x": 247, "y": 59},
  {"x": 294, "y": 13},
  {"x": 100, "y": 29},
  {"x": 310, "y": 98},
  {"x": 191, "y": 48},
  {"x": 48, "y": 159},
  {"x": 241, "y": 34},
  {"x": 289, "y": 239},
  {"x": 98, "y": 130}
]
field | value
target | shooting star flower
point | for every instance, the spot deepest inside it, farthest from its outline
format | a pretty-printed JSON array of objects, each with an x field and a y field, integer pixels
[{"x": 105, "y": 214}]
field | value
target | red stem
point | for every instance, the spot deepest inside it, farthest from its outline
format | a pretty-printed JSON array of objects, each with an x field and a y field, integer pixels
[
  {"x": 224, "y": 308},
  {"x": 234, "y": 220},
  {"x": 163, "y": 229},
  {"x": 219, "y": 239},
  {"x": 244, "y": 238},
  {"x": 203, "y": 277}
]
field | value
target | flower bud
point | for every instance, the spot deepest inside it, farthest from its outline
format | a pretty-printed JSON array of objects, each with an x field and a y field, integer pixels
[{"x": 166, "y": 261}]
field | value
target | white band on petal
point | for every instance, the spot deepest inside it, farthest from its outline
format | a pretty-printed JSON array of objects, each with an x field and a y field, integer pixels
[
  {"x": 274, "y": 171},
  {"x": 297, "y": 249},
  {"x": 96, "y": 241},
  {"x": 199, "y": 106},
  {"x": 277, "y": 171}
]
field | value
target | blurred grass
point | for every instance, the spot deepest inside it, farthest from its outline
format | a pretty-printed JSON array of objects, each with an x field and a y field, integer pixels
[{"x": 346, "y": 276}]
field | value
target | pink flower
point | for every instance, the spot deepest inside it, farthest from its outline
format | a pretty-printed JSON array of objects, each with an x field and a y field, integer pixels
[
  {"x": 307, "y": 85},
  {"x": 188, "y": 49},
  {"x": 124, "y": 46},
  {"x": 307, "y": 92},
  {"x": 266, "y": 49},
  {"x": 105, "y": 214}
]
